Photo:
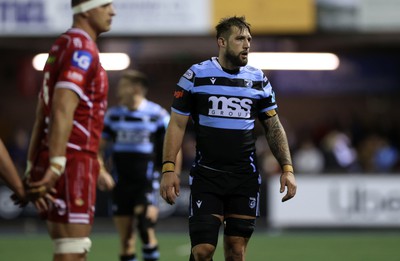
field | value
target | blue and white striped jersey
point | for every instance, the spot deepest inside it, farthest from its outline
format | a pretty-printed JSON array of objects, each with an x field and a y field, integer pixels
[
  {"x": 135, "y": 131},
  {"x": 223, "y": 107}
]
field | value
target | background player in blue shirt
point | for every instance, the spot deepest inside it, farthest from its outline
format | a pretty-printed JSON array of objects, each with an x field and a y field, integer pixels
[
  {"x": 136, "y": 128},
  {"x": 224, "y": 96}
]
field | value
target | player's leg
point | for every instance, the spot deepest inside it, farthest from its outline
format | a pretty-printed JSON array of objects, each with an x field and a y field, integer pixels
[
  {"x": 70, "y": 217},
  {"x": 204, "y": 230},
  {"x": 237, "y": 233},
  {"x": 152, "y": 216},
  {"x": 146, "y": 225},
  {"x": 124, "y": 220},
  {"x": 241, "y": 208},
  {"x": 147, "y": 219},
  {"x": 152, "y": 208},
  {"x": 71, "y": 241},
  {"x": 127, "y": 238},
  {"x": 206, "y": 212},
  {"x": 204, "y": 226}
]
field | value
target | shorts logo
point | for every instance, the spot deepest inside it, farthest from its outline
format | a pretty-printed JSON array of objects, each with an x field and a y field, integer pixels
[
  {"x": 81, "y": 59},
  {"x": 198, "y": 203},
  {"x": 61, "y": 207},
  {"x": 230, "y": 107},
  {"x": 252, "y": 202},
  {"x": 79, "y": 202}
]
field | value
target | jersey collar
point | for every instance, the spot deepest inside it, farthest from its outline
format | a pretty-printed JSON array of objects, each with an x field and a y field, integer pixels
[{"x": 80, "y": 31}]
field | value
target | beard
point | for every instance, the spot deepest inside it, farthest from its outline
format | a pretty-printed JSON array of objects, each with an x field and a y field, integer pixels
[{"x": 235, "y": 59}]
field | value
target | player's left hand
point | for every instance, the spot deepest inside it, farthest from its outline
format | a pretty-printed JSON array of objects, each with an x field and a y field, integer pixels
[
  {"x": 43, "y": 188},
  {"x": 288, "y": 180},
  {"x": 105, "y": 181}
]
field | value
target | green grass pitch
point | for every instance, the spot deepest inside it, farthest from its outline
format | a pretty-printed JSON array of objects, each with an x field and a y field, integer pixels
[{"x": 374, "y": 246}]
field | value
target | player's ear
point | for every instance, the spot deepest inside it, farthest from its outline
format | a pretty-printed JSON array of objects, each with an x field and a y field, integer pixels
[
  {"x": 221, "y": 42},
  {"x": 85, "y": 14}
]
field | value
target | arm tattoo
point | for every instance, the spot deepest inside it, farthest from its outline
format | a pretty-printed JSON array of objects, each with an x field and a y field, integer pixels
[{"x": 277, "y": 140}]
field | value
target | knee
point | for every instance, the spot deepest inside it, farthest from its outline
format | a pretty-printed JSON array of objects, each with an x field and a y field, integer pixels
[
  {"x": 203, "y": 252},
  {"x": 235, "y": 250}
]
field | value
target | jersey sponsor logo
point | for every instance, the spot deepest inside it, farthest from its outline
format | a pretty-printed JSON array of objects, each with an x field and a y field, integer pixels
[
  {"x": 252, "y": 202},
  {"x": 188, "y": 74},
  {"x": 133, "y": 137},
  {"x": 81, "y": 59},
  {"x": 74, "y": 76},
  {"x": 178, "y": 94},
  {"x": 232, "y": 107}
]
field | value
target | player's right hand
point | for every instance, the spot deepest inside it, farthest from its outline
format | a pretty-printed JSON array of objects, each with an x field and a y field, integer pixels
[{"x": 169, "y": 187}]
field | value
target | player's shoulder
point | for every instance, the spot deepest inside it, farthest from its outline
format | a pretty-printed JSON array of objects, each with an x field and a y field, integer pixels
[
  {"x": 115, "y": 110},
  {"x": 204, "y": 65},
  {"x": 154, "y": 107},
  {"x": 78, "y": 39},
  {"x": 255, "y": 72}
]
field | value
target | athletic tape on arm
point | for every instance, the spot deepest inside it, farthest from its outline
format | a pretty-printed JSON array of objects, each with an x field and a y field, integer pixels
[{"x": 86, "y": 6}]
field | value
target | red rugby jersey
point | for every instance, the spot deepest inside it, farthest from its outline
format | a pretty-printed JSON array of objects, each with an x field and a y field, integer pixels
[{"x": 74, "y": 64}]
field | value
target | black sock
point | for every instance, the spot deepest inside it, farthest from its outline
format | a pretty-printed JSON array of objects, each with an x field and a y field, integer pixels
[
  {"x": 151, "y": 253},
  {"x": 128, "y": 257}
]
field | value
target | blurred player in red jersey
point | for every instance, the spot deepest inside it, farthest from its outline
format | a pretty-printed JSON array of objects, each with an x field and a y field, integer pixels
[
  {"x": 9, "y": 173},
  {"x": 67, "y": 130}
]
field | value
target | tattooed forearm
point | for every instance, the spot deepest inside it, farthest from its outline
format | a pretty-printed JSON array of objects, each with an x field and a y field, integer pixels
[{"x": 277, "y": 140}]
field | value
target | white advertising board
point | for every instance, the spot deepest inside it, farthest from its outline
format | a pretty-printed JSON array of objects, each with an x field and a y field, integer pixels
[
  {"x": 337, "y": 201},
  {"x": 133, "y": 17}
]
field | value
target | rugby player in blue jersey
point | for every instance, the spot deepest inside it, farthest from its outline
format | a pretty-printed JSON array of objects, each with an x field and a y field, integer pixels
[
  {"x": 224, "y": 96},
  {"x": 136, "y": 128}
]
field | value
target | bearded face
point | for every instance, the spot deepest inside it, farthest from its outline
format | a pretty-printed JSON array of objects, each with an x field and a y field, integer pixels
[
  {"x": 236, "y": 58},
  {"x": 237, "y": 47}
]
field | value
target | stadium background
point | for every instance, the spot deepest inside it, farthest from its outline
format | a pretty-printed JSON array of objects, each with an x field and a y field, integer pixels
[{"x": 343, "y": 125}]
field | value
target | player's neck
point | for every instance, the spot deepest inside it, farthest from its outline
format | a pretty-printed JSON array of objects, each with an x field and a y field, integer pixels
[
  {"x": 87, "y": 28},
  {"x": 227, "y": 66},
  {"x": 134, "y": 104}
]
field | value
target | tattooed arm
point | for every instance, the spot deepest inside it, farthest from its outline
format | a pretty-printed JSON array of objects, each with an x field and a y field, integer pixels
[{"x": 278, "y": 143}]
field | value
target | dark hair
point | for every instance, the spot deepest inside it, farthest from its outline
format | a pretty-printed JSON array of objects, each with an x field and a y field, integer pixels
[
  {"x": 136, "y": 77},
  {"x": 223, "y": 28},
  {"x": 77, "y": 2}
]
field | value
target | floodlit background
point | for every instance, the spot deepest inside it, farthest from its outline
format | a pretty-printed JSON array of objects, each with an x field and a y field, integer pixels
[{"x": 334, "y": 65}]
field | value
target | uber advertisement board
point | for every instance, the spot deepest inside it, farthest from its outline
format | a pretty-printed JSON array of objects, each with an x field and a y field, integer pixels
[{"x": 337, "y": 201}]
